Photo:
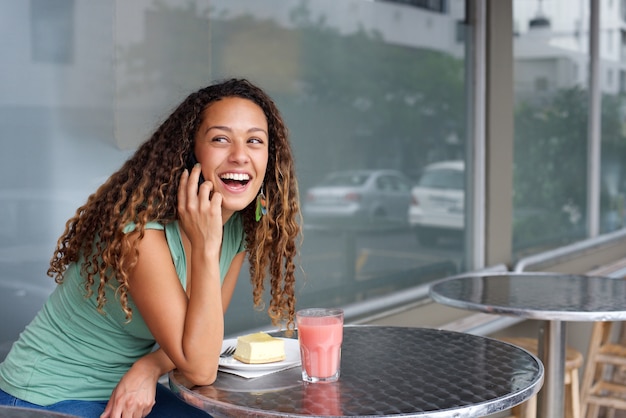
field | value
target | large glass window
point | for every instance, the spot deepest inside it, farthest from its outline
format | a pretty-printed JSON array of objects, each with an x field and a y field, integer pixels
[
  {"x": 552, "y": 135},
  {"x": 374, "y": 94},
  {"x": 57, "y": 136},
  {"x": 613, "y": 115},
  {"x": 551, "y": 56}
]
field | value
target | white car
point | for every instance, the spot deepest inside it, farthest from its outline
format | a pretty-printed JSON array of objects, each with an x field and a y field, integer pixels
[{"x": 438, "y": 202}]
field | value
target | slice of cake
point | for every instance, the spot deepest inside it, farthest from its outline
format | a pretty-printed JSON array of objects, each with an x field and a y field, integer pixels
[{"x": 259, "y": 348}]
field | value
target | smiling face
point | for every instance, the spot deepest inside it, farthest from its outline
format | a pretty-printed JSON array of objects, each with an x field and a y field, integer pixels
[{"x": 232, "y": 145}]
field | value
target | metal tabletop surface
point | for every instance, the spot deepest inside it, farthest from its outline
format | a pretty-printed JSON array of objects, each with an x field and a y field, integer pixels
[
  {"x": 385, "y": 372},
  {"x": 546, "y": 296},
  {"x": 17, "y": 412},
  {"x": 550, "y": 297}
]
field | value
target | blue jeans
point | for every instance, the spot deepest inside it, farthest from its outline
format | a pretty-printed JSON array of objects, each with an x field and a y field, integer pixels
[{"x": 167, "y": 405}]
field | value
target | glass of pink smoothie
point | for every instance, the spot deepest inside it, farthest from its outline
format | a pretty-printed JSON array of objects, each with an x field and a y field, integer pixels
[{"x": 320, "y": 332}]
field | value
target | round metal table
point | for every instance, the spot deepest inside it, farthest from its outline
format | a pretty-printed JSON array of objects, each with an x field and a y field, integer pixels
[
  {"x": 551, "y": 297},
  {"x": 385, "y": 372},
  {"x": 16, "y": 412}
]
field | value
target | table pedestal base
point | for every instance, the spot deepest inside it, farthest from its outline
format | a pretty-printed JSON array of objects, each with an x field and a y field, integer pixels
[{"x": 552, "y": 353}]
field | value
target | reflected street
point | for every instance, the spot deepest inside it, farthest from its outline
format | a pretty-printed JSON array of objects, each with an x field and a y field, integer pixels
[{"x": 343, "y": 265}]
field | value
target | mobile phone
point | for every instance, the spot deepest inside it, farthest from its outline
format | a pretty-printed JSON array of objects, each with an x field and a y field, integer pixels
[{"x": 191, "y": 162}]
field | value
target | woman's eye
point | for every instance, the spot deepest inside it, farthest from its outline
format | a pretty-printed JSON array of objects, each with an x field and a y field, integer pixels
[
  {"x": 220, "y": 139},
  {"x": 255, "y": 140}
]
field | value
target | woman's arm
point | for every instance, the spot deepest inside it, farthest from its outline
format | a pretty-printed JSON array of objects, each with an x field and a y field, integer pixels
[
  {"x": 188, "y": 329},
  {"x": 230, "y": 280},
  {"x": 136, "y": 390}
]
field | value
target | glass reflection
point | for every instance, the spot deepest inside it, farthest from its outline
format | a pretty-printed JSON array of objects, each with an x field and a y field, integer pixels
[
  {"x": 373, "y": 92},
  {"x": 551, "y": 82},
  {"x": 374, "y": 86},
  {"x": 550, "y": 148},
  {"x": 437, "y": 207},
  {"x": 613, "y": 145},
  {"x": 57, "y": 132}
]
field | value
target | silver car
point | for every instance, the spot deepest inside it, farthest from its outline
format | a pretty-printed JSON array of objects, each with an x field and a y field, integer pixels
[{"x": 359, "y": 195}]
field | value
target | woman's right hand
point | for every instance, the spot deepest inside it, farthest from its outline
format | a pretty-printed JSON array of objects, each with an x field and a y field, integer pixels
[
  {"x": 200, "y": 213},
  {"x": 134, "y": 395}
]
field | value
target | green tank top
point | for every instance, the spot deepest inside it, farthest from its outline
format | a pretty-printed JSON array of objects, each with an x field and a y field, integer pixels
[{"x": 70, "y": 351}]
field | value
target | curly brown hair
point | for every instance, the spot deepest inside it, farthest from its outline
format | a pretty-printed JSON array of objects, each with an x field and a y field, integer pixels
[{"x": 144, "y": 189}]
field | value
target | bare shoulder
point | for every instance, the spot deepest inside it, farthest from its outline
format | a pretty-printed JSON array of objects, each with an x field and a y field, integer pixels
[
  {"x": 152, "y": 237},
  {"x": 153, "y": 255}
]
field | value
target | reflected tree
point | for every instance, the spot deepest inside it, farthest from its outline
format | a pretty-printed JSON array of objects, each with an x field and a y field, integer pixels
[
  {"x": 550, "y": 173},
  {"x": 174, "y": 56},
  {"x": 384, "y": 105},
  {"x": 351, "y": 100}
]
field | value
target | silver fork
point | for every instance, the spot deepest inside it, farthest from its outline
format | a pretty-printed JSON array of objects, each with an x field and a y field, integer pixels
[{"x": 229, "y": 351}]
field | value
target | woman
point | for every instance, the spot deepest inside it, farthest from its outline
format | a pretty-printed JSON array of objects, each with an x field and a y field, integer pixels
[{"x": 154, "y": 256}]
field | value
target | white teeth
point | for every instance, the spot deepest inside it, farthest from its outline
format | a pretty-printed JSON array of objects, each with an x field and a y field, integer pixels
[{"x": 235, "y": 176}]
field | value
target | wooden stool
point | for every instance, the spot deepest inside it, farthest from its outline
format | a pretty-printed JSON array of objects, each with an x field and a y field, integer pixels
[
  {"x": 604, "y": 379},
  {"x": 573, "y": 362}
]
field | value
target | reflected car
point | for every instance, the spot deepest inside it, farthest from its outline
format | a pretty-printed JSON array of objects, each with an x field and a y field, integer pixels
[
  {"x": 359, "y": 195},
  {"x": 438, "y": 202}
]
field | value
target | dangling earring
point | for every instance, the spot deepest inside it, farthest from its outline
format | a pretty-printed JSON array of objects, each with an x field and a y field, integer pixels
[{"x": 261, "y": 205}]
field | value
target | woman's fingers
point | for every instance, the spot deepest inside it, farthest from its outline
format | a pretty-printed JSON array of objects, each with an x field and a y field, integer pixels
[
  {"x": 204, "y": 193},
  {"x": 192, "y": 182},
  {"x": 216, "y": 203},
  {"x": 188, "y": 189},
  {"x": 199, "y": 208}
]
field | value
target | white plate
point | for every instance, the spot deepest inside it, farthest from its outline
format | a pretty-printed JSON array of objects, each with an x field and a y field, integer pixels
[{"x": 292, "y": 357}]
